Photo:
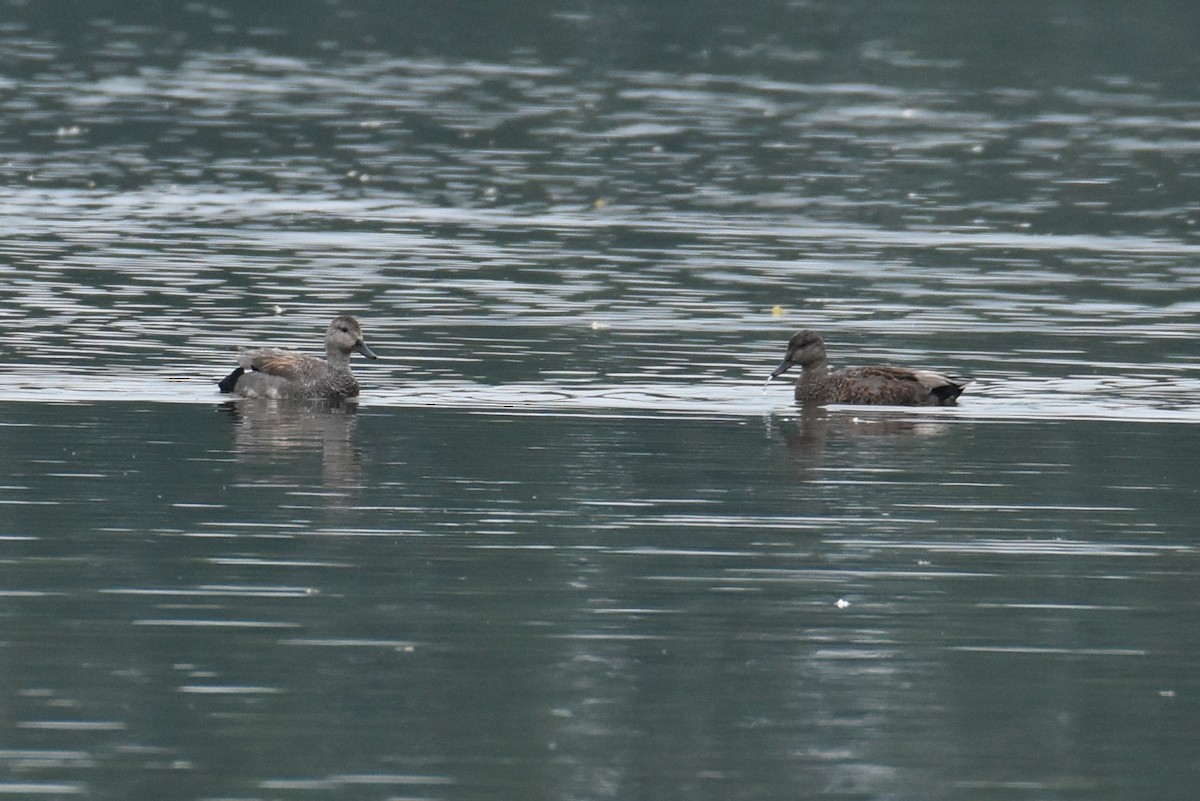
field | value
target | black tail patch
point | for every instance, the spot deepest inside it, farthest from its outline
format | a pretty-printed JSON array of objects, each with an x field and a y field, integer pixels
[
  {"x": 227, "y": 383},
  {"x": 947, "y": 394}
]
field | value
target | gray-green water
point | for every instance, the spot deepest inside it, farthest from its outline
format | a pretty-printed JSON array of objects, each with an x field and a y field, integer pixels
[{"x": 566, "y": 546}]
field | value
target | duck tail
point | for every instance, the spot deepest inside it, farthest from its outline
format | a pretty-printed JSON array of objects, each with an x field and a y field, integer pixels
[
  {"x": 227, "y": 383},
  {"x": 947, "y": 394}
]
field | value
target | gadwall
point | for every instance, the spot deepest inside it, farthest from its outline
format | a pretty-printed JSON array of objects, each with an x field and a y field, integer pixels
[
  {"x": 890, "y": 386},
  {"x": 287, "y": 374}
]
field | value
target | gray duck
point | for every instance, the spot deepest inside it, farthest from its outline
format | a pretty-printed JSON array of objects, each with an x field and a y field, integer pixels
[
  {"x": 287, "y": 374},
  {"x": 889, "y": 386}
]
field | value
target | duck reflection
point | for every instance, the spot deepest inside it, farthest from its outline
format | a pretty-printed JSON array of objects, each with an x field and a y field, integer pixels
[
  {"x": 267, "y": 430},
  {"x": 815, "y": 428}
]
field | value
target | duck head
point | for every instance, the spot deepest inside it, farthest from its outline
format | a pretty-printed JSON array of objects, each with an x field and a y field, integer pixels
[
  {"x": 805, "y": 348},
  {"x": 344, "y": 335}
]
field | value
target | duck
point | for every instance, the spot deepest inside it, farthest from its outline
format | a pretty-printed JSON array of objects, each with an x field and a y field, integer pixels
[
  {"x": 287, "y": 374},
  {"x": 878, "y": 385}
]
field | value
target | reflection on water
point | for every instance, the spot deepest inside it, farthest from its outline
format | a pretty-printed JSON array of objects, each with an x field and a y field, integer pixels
[
  {"x": 796, "y": 592},
  {"x": 274, "y": 431},
  {"x": 808, "y": 434}
]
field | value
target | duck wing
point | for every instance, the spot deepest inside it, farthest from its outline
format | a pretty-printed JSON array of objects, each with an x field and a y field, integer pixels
[
  {"x": 930, "y": 379},
  {"x": 282, "y": 363}
]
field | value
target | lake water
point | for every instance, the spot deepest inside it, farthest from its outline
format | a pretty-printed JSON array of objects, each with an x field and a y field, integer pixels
[{"x": 567, "y": 545}]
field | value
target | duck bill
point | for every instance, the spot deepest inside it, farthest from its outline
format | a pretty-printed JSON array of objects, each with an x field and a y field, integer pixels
[
  {"x": 784, "y": 366},
  {"x": 362, "y": 348}
]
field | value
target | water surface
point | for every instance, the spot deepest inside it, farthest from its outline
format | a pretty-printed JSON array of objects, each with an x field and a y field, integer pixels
[{"x": 567, "y": 545}]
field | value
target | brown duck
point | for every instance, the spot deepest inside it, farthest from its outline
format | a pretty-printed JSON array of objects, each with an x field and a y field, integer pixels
[
  {"x": 889, "y": 386},
  {"x": 287, "y": 374}
]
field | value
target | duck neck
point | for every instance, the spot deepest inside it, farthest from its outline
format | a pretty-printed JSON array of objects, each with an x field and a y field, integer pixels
[
  {"x": 337, "y": 358},
  {"x": 815, "y": 369}
]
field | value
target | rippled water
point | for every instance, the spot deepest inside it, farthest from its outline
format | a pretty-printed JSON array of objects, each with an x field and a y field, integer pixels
[{"x": 567, "y": 545}]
